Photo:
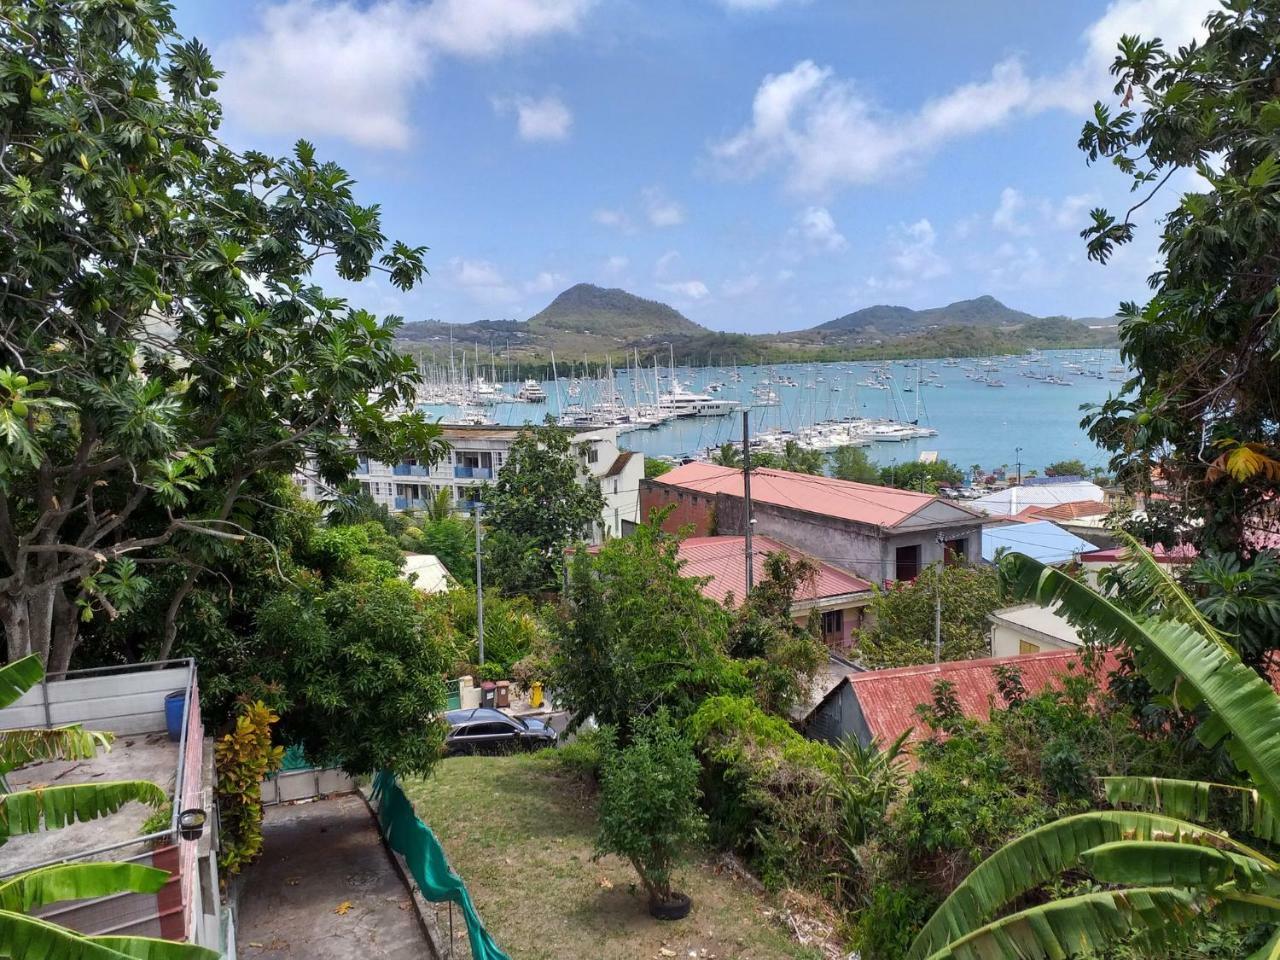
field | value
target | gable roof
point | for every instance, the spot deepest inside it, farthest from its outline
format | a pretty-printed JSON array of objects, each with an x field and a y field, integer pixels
[
  {"x": 1013, "y": 500},
  {"x": 888, "y": 698},
  {"x": 432, "y": 575},
  {"x": 723, "y": 559},
  {"x": 1073, "y": 510},
  {"x": 619, "y": 463},
  {"x": 844, "y": 499},
  {"x": 1039, "y": 539}
]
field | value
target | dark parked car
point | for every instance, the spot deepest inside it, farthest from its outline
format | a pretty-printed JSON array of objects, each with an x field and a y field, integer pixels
[{"x": 484, "y": 730}]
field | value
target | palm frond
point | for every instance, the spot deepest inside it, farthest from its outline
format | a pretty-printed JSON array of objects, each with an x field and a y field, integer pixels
[
  {"x": 25, "y": 811},
  {"x": 1038, "y": 856},
  {"x": 18, "y": 677},
  {"x": 77, "y": 881},
  {"x": 30, "y": 745},
  {"x": 1076, "y": 925},
  {"x": 1190, "y": 800},
  {"x": 1242, "y": 704}
]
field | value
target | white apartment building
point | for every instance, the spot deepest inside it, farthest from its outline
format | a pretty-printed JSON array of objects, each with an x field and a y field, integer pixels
[{"x": 477, "y": 454}]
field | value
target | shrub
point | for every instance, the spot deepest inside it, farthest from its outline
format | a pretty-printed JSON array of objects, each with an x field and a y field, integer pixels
[
  {"x": 582, "y": 756},
  {"x": 242, "y": 758},
  {"x": 649, "y": 802}
]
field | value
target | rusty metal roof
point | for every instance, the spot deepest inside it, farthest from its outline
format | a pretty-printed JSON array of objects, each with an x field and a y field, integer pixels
[{"x": 723, "y": 559}]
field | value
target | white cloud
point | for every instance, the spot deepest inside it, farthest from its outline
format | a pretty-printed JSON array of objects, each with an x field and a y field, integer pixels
[
  {"x": 823, "y": 132},
  {"x": 482, "y": 280},
  {"x": 662, "y": 266},
  {"x": 1017, "y": 267},
  {"x": 816, "y": 228},
  {"x": 616, "y": 264},
  {"x": 1072, "y": 213},
  {"x": 914, "y": 251},
  {"x": 545, "y": 118},
  {"x": 1008, "y": 213},
  {"x": 611, "y": 218},
  {"x": 310, "y": 67},
  {"x": 544, "y": 282},
  {"x": 660, "y": 209},
  {"x": 478, "y": 28},
  {"x": 689, "y": 289}
]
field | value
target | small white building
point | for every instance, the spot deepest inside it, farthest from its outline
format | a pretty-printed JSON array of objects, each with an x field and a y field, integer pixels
[
  {"x": 477, "y": 454},
  {"x": 426, "y": 573},
  {"x": 1030, "y": 628}
]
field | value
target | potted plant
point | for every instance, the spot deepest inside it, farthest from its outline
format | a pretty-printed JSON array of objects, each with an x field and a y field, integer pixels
[{"x": 649, "y": 808}]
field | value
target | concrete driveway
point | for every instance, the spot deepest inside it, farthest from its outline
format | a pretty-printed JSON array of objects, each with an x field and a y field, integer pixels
[{"x": 325, "y": 889}]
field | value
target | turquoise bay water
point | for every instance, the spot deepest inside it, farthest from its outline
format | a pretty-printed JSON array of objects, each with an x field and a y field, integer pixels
[{"x": 976, "y": 423}]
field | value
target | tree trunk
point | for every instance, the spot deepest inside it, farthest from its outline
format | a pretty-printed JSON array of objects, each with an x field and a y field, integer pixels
[{"x": 41, "y": 621}]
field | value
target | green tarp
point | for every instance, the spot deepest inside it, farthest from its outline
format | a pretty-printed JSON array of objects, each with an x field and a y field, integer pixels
[{"x": 413, "y": 839}]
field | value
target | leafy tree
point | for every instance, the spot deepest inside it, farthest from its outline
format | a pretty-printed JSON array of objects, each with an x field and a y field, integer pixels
[
  {"x": 1157, "y": 859},
  {"x": 654, "y": 467},
  {"x": 1067, "y": 468},
  {"x": 163, "y": 344},
  {"x": 797, "y": 459},
  {"x": 925, "y": 477},
  {"x": 903, "y": 629},
  {"x": 451, "y": 539},
  {"x": 1202, "y": 404},
  {"x": 730, "y": 455},
  {"x": 649, "y": 802},
  {"x": 541, "y": 504},
  {"x": 852, "y": 463},
  {"x": 781, "y": 655},
  {"x": 639, "y": 636},
  {"x": 363, "y": 674}
]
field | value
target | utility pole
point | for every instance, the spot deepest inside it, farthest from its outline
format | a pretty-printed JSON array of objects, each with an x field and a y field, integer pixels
[
  {"x": 1018, "y": 453},
  {"x": 937, "y": 604},
  {"x": 746, "y": 496},
  {"x": 475, "y": 516}
]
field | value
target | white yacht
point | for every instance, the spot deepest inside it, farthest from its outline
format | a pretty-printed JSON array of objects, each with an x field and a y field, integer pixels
[
  {"x": 532, "y": 392},
  {"x": 683, "y": 403}
]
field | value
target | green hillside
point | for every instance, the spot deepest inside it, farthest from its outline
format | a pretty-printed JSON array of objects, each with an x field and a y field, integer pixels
[{"x": 593, "y": 322}]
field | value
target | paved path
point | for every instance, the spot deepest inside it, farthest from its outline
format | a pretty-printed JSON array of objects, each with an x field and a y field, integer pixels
[{"x": 325, "y": 889}]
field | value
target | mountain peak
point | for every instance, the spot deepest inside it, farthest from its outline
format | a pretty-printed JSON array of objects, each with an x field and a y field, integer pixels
[{"x": 589, "y": 309}]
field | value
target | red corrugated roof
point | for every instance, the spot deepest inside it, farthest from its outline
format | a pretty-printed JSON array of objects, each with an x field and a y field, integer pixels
[
  {"x": 889, "y": 698},
  {"x": 1182, "y": 553},
  {"x": 859, "y": 502},
  {"x": 723, "y": 559}
]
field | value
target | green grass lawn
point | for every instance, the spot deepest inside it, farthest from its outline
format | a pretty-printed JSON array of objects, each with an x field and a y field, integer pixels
[{"x": 520, "y": 833}]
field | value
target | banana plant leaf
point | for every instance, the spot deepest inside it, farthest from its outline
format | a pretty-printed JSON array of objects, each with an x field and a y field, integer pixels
[
  {"x": 23, "y": 746},
  {"x": 77, "y": 881},
  {"x": 1191, "y": 800},
  {"x": 1154, "y": 584},
  {"x": 1241, "y": 703},
  {"x": 24, "y": 811},
  {"x": 1269, "y": 950},
  {"x": 27, "y": 937},
  {"x": 147, "y": 948},
  {"x": 1076, "y": 925},
  {"x": 1038, "y": 856},
  {"x": 1157, "y": 863},
  {"x": 18, "y": 677}
]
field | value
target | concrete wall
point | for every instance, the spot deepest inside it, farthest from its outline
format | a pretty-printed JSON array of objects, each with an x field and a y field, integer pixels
[{"x": 123, "y": 704}]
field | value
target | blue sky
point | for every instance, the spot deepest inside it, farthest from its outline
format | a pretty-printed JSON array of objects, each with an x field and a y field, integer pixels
[{"x": 761, "y": 165}]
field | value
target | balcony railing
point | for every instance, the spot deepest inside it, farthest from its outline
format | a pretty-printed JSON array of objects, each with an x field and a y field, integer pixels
[
  {"x": 410, "y": 503},
  {"x": 472, "y": 473},
  {"x": 409, "y": 470},
  {"x": 462, "y": 473}
]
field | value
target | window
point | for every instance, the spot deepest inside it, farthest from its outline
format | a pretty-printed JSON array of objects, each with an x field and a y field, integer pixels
[
  {"x": 833, "y": 624},
  {"x": 593, "y": 455},
  {"x": 953, "y": 551},
  {"x": 1024, "y": 647},
  {"x": 489, "y": 730},
  {"x": 907, "y": 561}
]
